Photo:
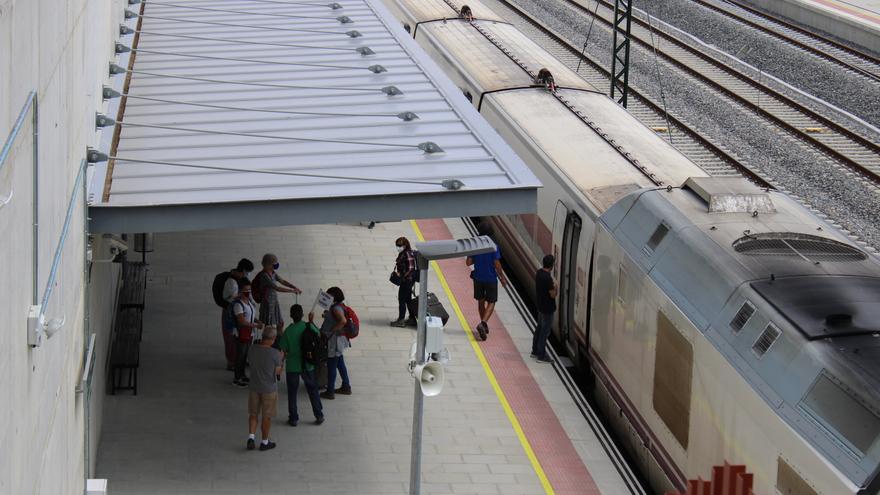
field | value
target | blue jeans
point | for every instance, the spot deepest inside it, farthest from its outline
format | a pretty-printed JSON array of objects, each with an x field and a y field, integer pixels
[
  {"x": 539, "y": 340},
  {"x": 333, "y": 364},
  {"x": 308, "y": 378}
]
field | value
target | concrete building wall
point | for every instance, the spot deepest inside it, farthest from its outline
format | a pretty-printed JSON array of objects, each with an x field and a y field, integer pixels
[{"x": 60, "y": 49}]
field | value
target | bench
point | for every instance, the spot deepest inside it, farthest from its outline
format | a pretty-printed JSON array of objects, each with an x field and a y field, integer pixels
[
  {"x": 125, "y": 350},
  {"x": 132, "y": 294}
]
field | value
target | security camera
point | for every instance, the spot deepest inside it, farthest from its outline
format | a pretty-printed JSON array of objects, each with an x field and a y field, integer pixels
[{"x": 116, "y": 245}]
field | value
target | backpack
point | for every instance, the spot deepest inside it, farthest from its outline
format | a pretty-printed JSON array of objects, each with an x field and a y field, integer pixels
[
  {"x": 313, "y": 345},
  {"x": 352, "y": 327},
  {"x": 257, "y": 289},
  {"x": 217, "y": 289}
]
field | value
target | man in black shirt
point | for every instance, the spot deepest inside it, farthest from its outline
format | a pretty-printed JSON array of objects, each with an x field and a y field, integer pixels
[{"x": 545, "y": 296}]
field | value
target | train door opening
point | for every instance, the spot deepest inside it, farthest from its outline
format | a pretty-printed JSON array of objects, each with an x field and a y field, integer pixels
[{"x": 568, "y": 278}]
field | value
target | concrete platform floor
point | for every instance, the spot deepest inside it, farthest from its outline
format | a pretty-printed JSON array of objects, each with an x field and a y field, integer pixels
[{"x": 185, "y": 432}]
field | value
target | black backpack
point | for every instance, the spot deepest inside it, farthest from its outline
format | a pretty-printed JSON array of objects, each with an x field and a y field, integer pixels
[
  {"x": 313, "y": 345},
  {"x": 217, "y": 289}
]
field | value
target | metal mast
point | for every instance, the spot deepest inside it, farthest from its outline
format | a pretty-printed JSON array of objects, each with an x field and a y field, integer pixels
[{"x": 620, "y": 54}]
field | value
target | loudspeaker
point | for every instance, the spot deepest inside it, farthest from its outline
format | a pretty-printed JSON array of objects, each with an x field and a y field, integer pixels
[{"x": 430, "y": 377}]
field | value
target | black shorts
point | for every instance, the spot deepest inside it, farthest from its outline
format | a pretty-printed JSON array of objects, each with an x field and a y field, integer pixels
[{"x": 487, "y": 291}]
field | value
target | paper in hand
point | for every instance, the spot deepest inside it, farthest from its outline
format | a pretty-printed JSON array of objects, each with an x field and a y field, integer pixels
[{"x": 323, "y": 301}]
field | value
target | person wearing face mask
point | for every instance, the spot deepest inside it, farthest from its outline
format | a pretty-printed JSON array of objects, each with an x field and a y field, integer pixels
[
  {"x": 228, "y": 295},
  {"x": 405, "y": 276},
  {"x": 267, "y": 285}
]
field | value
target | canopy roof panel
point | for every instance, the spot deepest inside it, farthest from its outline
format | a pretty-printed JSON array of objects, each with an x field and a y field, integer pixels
[{"x": 291, "y": 108}]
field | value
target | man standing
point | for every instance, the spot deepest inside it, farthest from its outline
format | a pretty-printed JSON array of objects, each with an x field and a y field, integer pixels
[
  {"x": 244, "y": 311},
  {"x": 228, "y": 294},
  {"x": 545, "y": 296},
  {"x": 267, "y": 285},
  {"x": 263, "y": 396},
  {"x": 298, "y": 367},
  {"x": 486, "y": 273}
]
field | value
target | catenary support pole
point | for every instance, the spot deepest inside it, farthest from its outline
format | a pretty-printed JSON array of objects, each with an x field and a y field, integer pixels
[{"x": 415, "y": 466}]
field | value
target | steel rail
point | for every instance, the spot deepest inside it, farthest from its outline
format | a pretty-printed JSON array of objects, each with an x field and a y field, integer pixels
[
  {"x": 870, "y": 148},
  {"x": 873, "y": 73},
  {"x": 640, "y": 98}
]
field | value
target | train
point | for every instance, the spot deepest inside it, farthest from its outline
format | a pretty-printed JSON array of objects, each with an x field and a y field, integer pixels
[{"x": 718, "y": 322}]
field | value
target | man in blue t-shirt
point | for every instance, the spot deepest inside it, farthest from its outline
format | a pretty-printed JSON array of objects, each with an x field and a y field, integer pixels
[{"x": 486, "y": 273}]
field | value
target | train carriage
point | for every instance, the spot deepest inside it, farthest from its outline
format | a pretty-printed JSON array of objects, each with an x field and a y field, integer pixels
[{"x": 680, "y": 293}]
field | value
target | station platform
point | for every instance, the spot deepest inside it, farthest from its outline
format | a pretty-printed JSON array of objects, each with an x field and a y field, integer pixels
[
  {"x": 503, "y": 423},
  {"x": 854, "y": 21}
]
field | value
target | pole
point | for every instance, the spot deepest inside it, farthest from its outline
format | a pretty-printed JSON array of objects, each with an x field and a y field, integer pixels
[{"x": 415, "y": 465}]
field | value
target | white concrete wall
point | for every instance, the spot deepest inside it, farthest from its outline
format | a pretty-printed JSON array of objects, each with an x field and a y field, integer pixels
[{"x": 60, "y": 49}]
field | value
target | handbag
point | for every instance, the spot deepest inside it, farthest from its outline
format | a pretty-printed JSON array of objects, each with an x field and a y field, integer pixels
[{"x": 394, "y": 278}]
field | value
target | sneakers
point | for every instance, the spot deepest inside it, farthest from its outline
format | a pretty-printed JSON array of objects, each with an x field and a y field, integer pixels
[
  {"x": 251, "y": 444},
  {"x": 328, "y": 395},
  {"x": 483, "y": 330},
  {"x": 319, "y": 421},
  {"x": 399, "y": 323},
  {"x": 412, "y": 323},
  {"x": 240, "y": 383},
  {"x": 292, "y": 422},
  {"x": 245, "y": 379},
  {"x": 343, "y": 390},
  {"x": 544, "y": 359},
  {"x": 267, "y": 446}
]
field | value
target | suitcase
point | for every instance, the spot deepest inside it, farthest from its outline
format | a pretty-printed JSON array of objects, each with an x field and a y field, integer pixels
[{"x": 435, "y": 307}]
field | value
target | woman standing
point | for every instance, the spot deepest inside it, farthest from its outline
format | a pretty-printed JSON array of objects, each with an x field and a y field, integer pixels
[
  {"x": 246, "y": 324},
  {"x": 337, "y": 343},
  {"x": 405, "y": 274},
  {"x": 267, "y": 284}
]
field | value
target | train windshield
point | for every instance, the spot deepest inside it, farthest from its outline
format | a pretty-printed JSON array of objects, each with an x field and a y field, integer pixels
[{"x": 826, "y": 306}]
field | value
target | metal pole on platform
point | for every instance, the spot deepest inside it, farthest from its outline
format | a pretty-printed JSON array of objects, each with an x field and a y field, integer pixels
[{"x": 415, "y": 465}]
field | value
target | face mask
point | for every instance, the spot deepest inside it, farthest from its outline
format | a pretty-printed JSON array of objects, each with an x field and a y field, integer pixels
[
  {"x": 399, "y": 249},
  {"x": 247, "y": 274},
  {"x": 276, "y": 266}
]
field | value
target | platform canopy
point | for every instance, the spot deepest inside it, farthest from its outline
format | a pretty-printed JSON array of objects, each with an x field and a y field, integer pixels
[{"x": 278, "y": 112}]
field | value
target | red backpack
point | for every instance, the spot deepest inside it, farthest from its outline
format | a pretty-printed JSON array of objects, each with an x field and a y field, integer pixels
[{"x": 352, "y": 327}]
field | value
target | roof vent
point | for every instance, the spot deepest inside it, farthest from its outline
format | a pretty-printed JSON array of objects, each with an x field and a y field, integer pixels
[
  {"x": 766, "y": 340},
  {"x": 793, "y": 245},
  {"x": 742, "y": 316},
  {"x": 730, "y": 195}
]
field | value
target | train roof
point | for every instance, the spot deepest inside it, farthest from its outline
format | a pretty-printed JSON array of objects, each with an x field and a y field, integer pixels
[
  {"x": 596, "y": 168},
  {"x": 419, "y": 11},
  {"x": 793, "y": 304},
  {"x": 470, "y": 50}
]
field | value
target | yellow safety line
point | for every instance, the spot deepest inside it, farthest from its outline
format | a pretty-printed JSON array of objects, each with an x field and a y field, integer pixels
[{"x": 527, "y": 447}]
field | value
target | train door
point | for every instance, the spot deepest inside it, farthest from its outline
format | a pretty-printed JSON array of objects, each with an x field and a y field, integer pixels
[{"x": 569, "y": 223}]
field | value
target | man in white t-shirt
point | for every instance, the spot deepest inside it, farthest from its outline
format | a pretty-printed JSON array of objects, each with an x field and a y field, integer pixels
[{"x": 246, "y": 327}]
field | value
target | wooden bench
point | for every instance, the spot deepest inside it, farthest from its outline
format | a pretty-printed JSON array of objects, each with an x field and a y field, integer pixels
[
  {"x": 132, "y": 294},
  {"x": 125, "y": 351}
]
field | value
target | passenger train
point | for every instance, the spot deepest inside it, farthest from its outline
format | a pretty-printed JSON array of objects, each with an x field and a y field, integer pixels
[{"x": 720, "y": 322}]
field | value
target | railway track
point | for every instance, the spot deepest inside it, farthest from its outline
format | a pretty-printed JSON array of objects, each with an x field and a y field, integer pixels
[
  {"x": 715, "y": 160},
  {"x": 846, "y": 57},
  {"x": 839, "y": 145}
]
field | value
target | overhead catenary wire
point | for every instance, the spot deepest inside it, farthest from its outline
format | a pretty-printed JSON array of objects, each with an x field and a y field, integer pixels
[
  {"x": 275, "y": 172},
  {"x": 372, "y": 68},
  {"x": 266, "y": 136},
  {"x": 279, "y": 2},
  {"x": 659, "y": 78},
  {"x": 402, "y": 115},
  {"x": 384, "y": 89},
  {"x": 244, "y": 12},
  {"x": 244, "y": 42},
  {"x": 351, "y": 34},
  {"x": 587, "y": 39}
]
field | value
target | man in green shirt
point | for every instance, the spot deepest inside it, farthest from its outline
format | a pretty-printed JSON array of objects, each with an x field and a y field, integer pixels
[{"x": 297, "y": 367}]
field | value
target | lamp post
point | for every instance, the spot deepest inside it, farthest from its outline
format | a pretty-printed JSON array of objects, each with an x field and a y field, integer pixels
[{"x": 427, "y": 252}]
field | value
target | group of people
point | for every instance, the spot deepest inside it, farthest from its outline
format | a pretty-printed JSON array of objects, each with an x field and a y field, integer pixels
[
  {"x": 254, "y": 337},
  {"x": 486, "y": 273}
]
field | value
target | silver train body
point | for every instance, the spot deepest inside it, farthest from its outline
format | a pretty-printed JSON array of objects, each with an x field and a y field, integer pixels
[{"x": 721, "y": 322}]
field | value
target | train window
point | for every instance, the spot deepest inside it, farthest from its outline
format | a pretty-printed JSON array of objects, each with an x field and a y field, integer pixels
[
  {"x": 742, "y": 316},
  {"x": 621, "y": 285},
  {"x": 766, "y": 340},
  {"x": 657, "y": 237},
  {"x": 673, "y": 368},
  {"x": 843, "y": 412},
  {"x": 789, "y": 482}
]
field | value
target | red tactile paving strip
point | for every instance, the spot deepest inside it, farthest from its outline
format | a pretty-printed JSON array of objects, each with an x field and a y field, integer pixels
[
  {"x": 865, "y": 14},
  {"x": 554, "y": 450}
]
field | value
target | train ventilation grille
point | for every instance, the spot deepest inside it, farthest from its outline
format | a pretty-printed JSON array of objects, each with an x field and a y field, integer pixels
[
  {"x": 766, "y": 340},
  {"x": 804, "y": 246},
  {"x": 742, "y": 316}
]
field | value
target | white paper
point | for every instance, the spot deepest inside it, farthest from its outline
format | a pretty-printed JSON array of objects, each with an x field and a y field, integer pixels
[{"x": 323, "y": 301}]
